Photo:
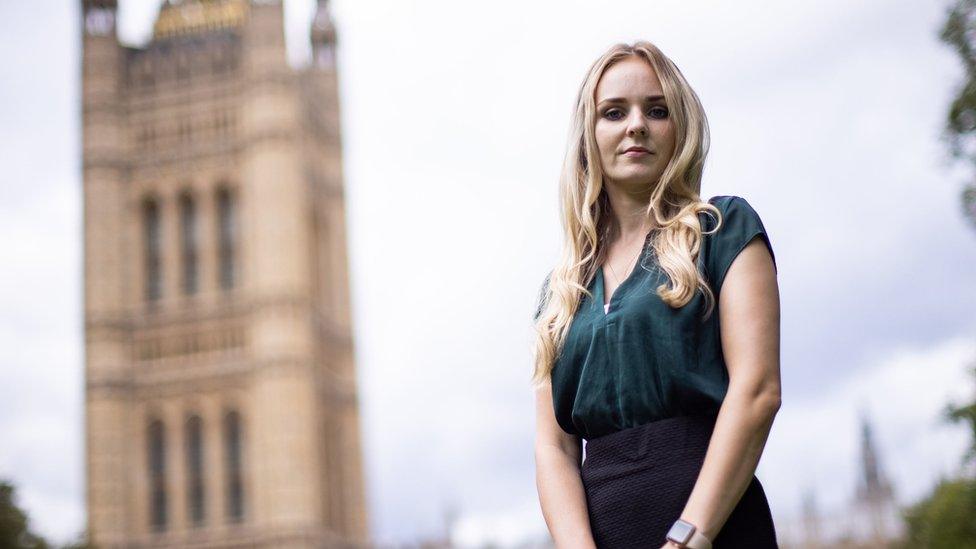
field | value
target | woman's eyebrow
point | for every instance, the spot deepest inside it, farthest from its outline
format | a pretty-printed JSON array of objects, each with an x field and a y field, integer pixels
[{"x": 622, "y": 100}]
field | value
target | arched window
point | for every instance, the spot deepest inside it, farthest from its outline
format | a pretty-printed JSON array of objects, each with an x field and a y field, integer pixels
[
  {"x": 233, "y": 453},
  {"x": 157, "y": 475},
  {"x": 188, "y": 243},
  {"x": 226, "y": 237},
  {"x": 194, "y": 470},
  {"x": 152, "y": 249}
]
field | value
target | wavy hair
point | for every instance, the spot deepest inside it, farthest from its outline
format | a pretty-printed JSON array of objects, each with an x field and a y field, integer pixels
[{"x": 588, "y": 222}]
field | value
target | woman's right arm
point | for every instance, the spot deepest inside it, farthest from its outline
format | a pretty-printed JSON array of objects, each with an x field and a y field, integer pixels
[{"x": 557, "y": 478}]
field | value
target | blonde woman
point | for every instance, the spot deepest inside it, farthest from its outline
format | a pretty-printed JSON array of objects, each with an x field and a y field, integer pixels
[{"x": 658, "y": 329}]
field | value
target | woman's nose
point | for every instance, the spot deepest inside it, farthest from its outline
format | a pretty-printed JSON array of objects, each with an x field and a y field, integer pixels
[{"x": 636, "y": 125}]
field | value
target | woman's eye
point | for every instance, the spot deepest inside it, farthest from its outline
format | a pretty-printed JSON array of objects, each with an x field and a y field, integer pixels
[
  {"x": 613, "y": 114},
  {"x": 658, "y": 112}
]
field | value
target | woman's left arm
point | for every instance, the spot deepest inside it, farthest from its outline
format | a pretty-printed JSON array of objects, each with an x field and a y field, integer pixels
[{"x": 749, "y": 324}]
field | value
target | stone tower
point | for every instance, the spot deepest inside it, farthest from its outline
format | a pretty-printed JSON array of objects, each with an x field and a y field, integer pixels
[
  {"x": 221, "y": 401},
  {"x": 875, "y": 511}
]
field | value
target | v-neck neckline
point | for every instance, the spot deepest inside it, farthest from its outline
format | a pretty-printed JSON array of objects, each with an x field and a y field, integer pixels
[{"x": 601, "y": 283}]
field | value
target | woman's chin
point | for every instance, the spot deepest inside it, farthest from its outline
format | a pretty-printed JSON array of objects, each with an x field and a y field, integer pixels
[{"x": 634, "y": 178}]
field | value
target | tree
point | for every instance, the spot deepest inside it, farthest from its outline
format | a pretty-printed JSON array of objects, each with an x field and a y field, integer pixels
[
  {"x": 959, "y": 32},
  {"x": 965, "y": 413},
  {"x": 947, "y": 518},
  {"x": 14, "y": 531}
]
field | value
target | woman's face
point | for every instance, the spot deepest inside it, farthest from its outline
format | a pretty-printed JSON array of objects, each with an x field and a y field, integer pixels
[{"x": 634, "y": 131}]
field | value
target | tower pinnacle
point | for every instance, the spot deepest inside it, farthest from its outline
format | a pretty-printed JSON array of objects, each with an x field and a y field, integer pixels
[{"x": 323, "y": 36}]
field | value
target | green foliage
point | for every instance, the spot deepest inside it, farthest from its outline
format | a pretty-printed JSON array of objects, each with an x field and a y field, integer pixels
[
  {"x": 959, "y": 32},
  {"x": 14, "y": 533},
  {"x": 965, "y": 413},
  {"x": 14, "y": 525},
  {"x": 946, "y": 519}
]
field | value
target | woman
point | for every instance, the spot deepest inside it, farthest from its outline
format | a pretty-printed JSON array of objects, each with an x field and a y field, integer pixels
[{"x": 658, "y": 330}]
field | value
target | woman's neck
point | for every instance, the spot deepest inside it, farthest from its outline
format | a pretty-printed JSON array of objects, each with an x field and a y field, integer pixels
[{"x": 630, "y": 213}]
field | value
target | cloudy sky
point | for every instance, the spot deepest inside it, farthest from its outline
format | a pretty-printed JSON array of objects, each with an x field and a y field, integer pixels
[{"x": 825, "y": 115}]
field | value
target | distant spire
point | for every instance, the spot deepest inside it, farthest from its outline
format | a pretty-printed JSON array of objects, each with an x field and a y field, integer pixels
[
  {"x": 99, "y": 17},
  {"x": 874, "y": 495},
  {"x": 323, "y": 36},
  {"x": 874, "y": 484}
]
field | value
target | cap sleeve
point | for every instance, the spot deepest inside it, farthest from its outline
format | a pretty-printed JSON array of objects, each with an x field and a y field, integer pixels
[{"x": 740, "y": 224}]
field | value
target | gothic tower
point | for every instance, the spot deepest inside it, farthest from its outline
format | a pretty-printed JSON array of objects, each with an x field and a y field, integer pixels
[
  {"x": 221, "y": 400},
  {"x": 875, "y": 508}
]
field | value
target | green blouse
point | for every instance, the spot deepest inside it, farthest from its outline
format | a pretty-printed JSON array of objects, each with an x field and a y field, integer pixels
[{"x": 643, "y": 360}]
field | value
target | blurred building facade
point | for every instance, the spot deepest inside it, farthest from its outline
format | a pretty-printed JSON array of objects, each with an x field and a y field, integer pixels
[
  {"x": 870, "y": 520},
  {"x": 221, "y": 398}
]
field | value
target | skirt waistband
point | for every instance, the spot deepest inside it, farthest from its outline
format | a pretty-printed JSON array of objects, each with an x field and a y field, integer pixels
[{"x": 664, "y": 439}]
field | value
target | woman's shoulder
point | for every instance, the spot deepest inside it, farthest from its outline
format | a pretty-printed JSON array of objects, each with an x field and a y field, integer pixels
[
  {"x": 729, "y": 205},
  {"x": 726, "y": 201},
  {"x": 740, "y": 224}
]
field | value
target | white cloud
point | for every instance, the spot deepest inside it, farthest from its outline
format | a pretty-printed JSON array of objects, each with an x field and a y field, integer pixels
[{"x": 517, "y": 526}]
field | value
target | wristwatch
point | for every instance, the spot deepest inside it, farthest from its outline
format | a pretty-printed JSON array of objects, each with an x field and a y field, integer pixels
[{"x": 685, "y": 534}]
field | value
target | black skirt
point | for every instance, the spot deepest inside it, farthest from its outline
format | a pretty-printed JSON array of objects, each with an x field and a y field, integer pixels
[{"x": 638, "y": 480}]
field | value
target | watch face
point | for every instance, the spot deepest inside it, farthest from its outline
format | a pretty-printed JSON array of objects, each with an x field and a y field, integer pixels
[{"x": 681, "y": 532}]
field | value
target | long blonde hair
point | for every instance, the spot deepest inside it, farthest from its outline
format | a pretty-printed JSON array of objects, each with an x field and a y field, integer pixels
[{"x": 588, "y": 221}]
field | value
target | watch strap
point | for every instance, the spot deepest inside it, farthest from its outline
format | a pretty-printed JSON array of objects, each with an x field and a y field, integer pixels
[
  {"x": 698, "y": 541},
  {"x": 679, "y": 534}
]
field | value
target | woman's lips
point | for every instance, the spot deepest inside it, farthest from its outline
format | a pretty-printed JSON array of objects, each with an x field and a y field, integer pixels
[{"x": 636, "y": 152}]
